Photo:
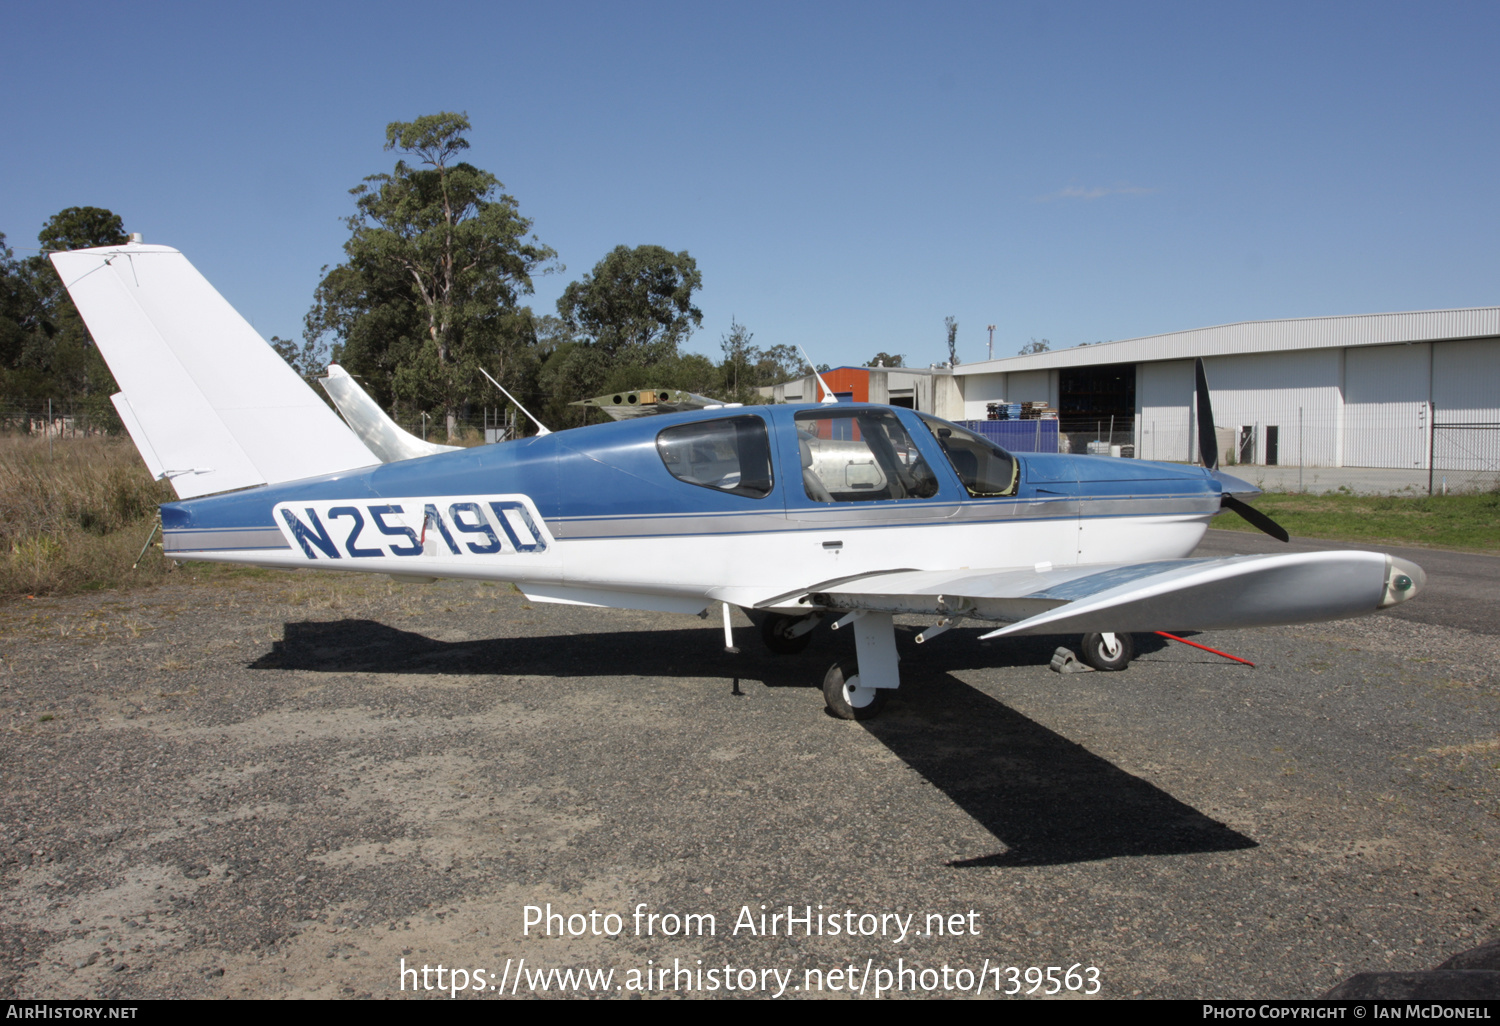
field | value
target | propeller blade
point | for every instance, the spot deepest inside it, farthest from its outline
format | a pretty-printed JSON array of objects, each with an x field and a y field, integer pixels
[
  {"x": 1255, "y": 517},
  {"x": 1208, "y": 441}
]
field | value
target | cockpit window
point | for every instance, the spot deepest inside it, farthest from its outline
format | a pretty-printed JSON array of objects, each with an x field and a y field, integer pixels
[
  {"x": 860, "y": 455},
  {"x": 728, "y": 455},
  {"x": 986, "y": 470}
]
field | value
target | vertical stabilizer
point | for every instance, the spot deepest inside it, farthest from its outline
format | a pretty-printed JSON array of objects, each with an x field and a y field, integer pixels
[{"x": 210, "y": 405}]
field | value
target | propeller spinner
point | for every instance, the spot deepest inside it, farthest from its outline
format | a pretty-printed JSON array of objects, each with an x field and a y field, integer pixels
[{"x": 1208, "y": 452}]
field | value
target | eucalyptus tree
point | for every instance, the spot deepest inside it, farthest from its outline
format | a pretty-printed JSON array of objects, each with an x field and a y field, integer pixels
[
  {"x": 636, "y": 305},
  {"x": 437, "y": 260},
  {"x": 46, "y": 351}
]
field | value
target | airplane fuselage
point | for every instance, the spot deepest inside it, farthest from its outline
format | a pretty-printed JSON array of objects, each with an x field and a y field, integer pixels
[{"x": 664, "y": 513}]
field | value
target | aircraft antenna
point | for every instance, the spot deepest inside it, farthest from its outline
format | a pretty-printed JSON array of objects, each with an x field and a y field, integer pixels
[
  {"x": 541, "y": 429},
  {"x": 828, "y": 396}
]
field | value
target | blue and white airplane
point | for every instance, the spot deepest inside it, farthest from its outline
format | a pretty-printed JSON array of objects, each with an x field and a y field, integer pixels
[{"x": 849, "y": 513}]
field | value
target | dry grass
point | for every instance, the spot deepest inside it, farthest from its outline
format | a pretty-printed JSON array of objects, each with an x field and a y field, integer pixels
[{"x": 73, "y": 518}]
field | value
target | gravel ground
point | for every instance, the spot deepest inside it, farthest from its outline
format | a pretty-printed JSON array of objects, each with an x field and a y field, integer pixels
[{"x": 283, "y": 786}]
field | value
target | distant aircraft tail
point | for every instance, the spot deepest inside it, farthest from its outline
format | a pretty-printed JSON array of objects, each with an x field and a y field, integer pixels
[
  {"x": 208, "y": 403},
  {"x": 382, "y": 435}
]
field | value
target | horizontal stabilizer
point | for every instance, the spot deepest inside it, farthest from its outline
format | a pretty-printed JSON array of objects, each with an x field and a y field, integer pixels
[
  {"x": 211, "y": 406},
  {"x": 381, "y": 435}
]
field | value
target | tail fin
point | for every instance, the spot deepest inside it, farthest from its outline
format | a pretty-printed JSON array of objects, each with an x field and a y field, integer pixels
[
  {"x": 382, "y": 435},
  {"x": 208, "y": 403}
]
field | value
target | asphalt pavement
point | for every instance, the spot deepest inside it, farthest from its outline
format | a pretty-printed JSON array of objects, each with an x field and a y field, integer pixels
[{"x": 328, "y": 786}]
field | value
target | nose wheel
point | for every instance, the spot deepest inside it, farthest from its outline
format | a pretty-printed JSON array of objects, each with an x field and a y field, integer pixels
[{"x": 1107, "y": 651}]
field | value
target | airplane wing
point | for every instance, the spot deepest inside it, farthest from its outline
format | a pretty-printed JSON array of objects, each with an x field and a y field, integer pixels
[
  {"x": 1169, "y": 594},
  {"x": 643, "y": 402}
]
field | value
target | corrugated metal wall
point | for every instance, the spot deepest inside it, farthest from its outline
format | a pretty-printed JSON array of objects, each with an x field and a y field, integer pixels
[
  {"x": 1296, "y": 393},
  {"x": 1163, "y": 398},
  {"x": 1466, "y": 390},
  {"x": 1258, "y": 337},
  {"x": 1385, "y": 406},
  {"x": 979, "y": 390},
  {"x": 1466, "y": 380},
  {"x": 1360, "y": 406},
  {"x": 1031, "y": 386},
  {"x": 982, "y": 390}
]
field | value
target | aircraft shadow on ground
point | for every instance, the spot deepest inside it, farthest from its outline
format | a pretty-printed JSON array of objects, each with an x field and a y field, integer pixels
[{"x": 1048, "y": 800}]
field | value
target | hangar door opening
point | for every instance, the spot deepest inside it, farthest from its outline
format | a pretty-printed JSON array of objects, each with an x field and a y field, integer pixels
[
  {"x": 1466, "y": 420},
  {"x": 1385, "y": 406},
  {"x": 1096, "y": 406}
]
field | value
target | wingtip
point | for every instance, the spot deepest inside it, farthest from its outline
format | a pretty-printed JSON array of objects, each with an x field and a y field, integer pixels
[{"x": 1403, "y": 580}]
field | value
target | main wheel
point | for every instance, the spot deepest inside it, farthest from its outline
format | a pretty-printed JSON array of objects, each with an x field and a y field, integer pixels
[
  {"x": 776, "y": 632},
  {"x": 1102, "y": 656},
  {"x": 846, "y": 699}
]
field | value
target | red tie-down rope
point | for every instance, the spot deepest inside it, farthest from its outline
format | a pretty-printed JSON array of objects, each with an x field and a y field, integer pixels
[{"x": 1205, "y": 648}]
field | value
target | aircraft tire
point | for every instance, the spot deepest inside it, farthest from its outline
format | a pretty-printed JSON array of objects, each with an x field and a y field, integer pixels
[
  {"x": 842, "y": 697},
  {"x": 774, "y": 632},
  {"x": 1097, "y": 654}
]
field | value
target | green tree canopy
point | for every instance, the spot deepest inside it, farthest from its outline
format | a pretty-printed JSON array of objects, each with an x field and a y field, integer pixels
[
  {"x": 82, "y": 228},
  {"x": 884, "y": 359},
  {"x": 747, "y": 367},
  {"x": 437, "y": 260},
  {"x": 309, "y": 359},
  {"x": 46, "y": 351},
  {"x": 619, "y": 327},
  {"x": 636, "y": 305},
  {"x": 15, "y": 308}
]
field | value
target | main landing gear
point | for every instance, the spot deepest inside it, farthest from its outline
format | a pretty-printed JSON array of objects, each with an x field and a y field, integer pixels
[
  {"x": 788, "y": 635},
  {"x": 847, "y": 698},
  {"x": 858, "y": 690}
]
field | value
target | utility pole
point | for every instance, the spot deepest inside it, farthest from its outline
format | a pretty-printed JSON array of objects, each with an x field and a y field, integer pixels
[{"x": 992, "y": 341}]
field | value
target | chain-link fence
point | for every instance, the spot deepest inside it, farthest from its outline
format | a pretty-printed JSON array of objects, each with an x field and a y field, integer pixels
[
  {"x": 1465, "y": 456},
  {"x": 51, "y": 419},
  {"x": 487, "y": 424},
  {"x": 1370, "y": 448},
  {"x": 1098, "y": 436}
]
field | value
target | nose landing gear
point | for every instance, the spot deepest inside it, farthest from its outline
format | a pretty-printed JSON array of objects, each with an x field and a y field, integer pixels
[{"x": 1107, "y": 651}]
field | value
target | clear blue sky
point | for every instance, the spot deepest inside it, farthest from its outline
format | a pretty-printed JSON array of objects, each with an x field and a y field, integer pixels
[{"x": 846, "y": 175}]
